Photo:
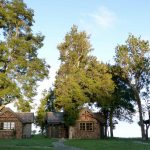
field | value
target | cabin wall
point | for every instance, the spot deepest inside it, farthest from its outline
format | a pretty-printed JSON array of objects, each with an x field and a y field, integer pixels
[
  {"x": 77, "y": 133},
  {"x": 57, "y": 131},
  {"x": 15, "y": 133},
  {"x": 6, "y": 134},
  {"x": 92, "y": 129},
  {"x": 27, "y": 130}
]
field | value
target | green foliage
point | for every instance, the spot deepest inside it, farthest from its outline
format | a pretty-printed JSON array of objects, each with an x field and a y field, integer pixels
[
  {"x": 75, "y": 49},
  {"x": 70, "y": 116},
  {"x": 7, "y": 88},
  {"x": 24, "y": 105},
  {"x": 20, "y": 67},
  {"x": 122, "y": 99},
  {"x": 50, "y": 100},
  {"x": 74, "y": 53},
  {"x": 46, "y": 104},
  {"x": 100, "y": 83},
  {"x": 133, "y": 59},
  {"x": 41, "y": 111},
  {"x": 81, "y": 78}
]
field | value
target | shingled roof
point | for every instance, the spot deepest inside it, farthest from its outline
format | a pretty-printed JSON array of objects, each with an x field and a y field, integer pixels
[
  {"x": 98, "y": 116},
  {"x": 26, "y": 117},
  {"x": 58, "y": 117},
  {"x": 55, "y": 117}
]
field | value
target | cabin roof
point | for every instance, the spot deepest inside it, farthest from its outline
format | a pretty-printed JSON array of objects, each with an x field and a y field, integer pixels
[
  {"x": 55, "y": 117},
  {"x": 24, "y": 117},
  {"x": 98, "y": 116},
  {"x": 58, "y": 117}
]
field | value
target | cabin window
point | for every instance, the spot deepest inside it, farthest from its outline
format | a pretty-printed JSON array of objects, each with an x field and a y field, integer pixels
[
  {"x": 87, "y": 126},
  {"x": 82, "y": 126},
  {"x": 7, "y": 125},
  {"x": 1, "y": 126}
]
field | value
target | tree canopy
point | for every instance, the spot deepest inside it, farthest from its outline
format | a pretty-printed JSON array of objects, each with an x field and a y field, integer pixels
[
  {"x": 133, "y": 58},
  {"x": 20, "y": 66},
  {"x": 80, "y": 77}
]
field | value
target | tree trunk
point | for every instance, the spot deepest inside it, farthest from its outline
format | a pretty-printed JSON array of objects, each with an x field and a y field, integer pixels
[
  {"x": 147, "y": 127},
  {"x": 105, "y": 112},
  {"x": 105, "y": 131},
  {"x": 111, "y": 124},
  {"x": 42, "y": 131},
  {"x": 136, "y": 93},
  {"x": 140, "y": 116}
]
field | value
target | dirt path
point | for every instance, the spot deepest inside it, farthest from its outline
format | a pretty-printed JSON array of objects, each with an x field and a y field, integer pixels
[{"x": 59, "y": 145}]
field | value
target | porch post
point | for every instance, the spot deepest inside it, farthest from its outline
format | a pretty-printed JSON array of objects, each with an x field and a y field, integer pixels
[{"x": 70, "y": 132}]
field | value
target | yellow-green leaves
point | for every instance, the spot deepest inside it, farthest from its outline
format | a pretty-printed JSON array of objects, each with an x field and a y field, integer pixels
[
  {"x": 81, "y": 78},
  {"x": 19, "y": 52}
]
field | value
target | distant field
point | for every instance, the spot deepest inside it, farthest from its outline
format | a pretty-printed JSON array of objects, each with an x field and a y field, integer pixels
[
  {"x": 110, "y": 144},
  {"x": 35, "y": 143}
]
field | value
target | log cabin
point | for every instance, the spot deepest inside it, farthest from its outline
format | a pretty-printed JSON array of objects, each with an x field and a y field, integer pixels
[
  {"x": 89, "y": 125},
  {"x": 14, "y": 124}
]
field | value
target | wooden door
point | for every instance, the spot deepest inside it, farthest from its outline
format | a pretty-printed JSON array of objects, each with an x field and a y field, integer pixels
[{"x": 55, "y": 131}]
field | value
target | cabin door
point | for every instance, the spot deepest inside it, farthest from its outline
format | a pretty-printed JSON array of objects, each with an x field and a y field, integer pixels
[{"x": 55, "y": 131}]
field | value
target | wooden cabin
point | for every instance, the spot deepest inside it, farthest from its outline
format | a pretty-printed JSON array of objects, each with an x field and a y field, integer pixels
[
  {"x": 15, "y": 125},
  {"x": 88, "y": 126},
  {"x": 55, "y": 127}
]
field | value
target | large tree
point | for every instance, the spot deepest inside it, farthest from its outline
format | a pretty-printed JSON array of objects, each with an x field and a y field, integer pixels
[
  {"x": 133, "y": 58},
  {"x": 116, "y": 101},
  {"x": 121, "y": 102},
  {"x": 74, "y": 53},
  {"x": 20, "y": 67},
  {"x": 100, "y": 87},
  {"x": 80, "y": 77}
]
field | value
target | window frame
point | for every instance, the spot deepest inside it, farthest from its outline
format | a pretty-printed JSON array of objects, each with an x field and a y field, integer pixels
[
  {"x": 82, "y": 126},
  {"x": 7, "y": 125},
  {"x": 89, "y": 126},
  {"x": 86, "y": 126}
]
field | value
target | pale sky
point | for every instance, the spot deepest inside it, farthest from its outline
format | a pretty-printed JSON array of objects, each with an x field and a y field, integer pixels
[{"x": 109, "y": 23}]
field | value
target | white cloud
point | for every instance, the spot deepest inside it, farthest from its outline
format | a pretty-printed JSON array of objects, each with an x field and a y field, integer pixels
[
  {"x": 104, "y": 17},
  {"x": 86, "y": 26}
]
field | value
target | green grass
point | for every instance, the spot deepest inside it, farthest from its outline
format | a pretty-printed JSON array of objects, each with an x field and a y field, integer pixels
[
  {"x": 110, "y": 144},
  {"x": 41, "y": 143},
  {"x": 35, "y": 143}
]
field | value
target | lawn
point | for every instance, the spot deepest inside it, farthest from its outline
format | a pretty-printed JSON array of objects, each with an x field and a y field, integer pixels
[
  {"x": 35, "y": 143},
  {"x": 110, "y": 144},
  {"x": 41, "y": 143}
]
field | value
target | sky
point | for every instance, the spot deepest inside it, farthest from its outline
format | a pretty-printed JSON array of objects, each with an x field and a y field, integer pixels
[{"x": 108, "y": 22}]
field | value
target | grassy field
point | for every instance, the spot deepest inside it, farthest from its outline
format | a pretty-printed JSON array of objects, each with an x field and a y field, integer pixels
[
  {"x": 35, "y": 143},
  {"x": 110, "y": 144},
  {"x": 41, "y": 143}
]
